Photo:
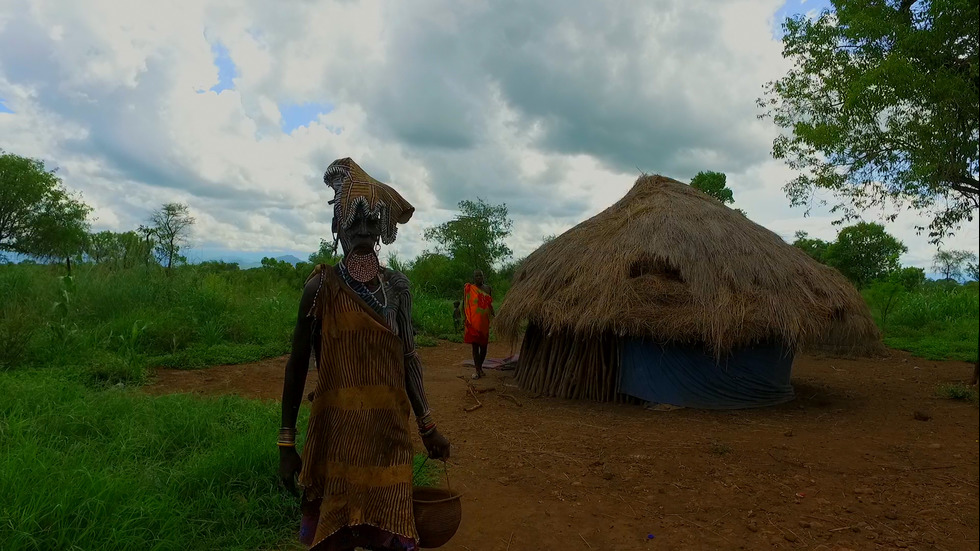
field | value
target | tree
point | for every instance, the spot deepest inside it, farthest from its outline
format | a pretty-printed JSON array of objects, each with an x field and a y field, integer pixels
[
  {"x": 38, "y": 216},
  {"x": 909, "y": 277},
  {"x": 326, "y": 254},
  {"x": 475, "y": 237},
  {"x": 118, "y": 250},
  {"x": 714, "y": 184},
  {"x": 880, "y": 107},
  {"x": 815, "y": 248},
  {"x": 865, "y": 252},
  {"x": 952, "y": 264},
  {"x": 973, "y": 271},
  {"x": 171, "y": 226}
]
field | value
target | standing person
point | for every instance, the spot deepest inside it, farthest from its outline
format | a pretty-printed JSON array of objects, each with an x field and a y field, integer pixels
[
  {"x": 477, "y": 309},
  {"x": 356, "y": 465}
]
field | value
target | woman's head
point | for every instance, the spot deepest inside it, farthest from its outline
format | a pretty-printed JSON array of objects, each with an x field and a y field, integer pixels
[{"x": 366, "y": 211}]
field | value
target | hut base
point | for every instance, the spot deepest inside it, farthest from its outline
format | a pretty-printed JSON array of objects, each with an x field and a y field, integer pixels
[
  {"x": 631, "y": 370},
  {"x": 690, "y": 377}
]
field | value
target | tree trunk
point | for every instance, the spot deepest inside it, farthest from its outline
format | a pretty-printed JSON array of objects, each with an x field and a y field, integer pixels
[{"x": 68, "y": 264}]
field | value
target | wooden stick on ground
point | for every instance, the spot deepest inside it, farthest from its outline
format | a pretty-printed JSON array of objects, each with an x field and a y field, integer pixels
[{"x": 509, "y": 397}]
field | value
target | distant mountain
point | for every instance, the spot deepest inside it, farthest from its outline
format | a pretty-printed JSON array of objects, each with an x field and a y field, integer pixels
[{"x": 289, "y": 258}]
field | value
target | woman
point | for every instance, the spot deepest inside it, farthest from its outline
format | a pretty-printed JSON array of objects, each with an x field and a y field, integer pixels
[
  {"x": 477, "y": 309},
  {"x": 356, "y": 466}
]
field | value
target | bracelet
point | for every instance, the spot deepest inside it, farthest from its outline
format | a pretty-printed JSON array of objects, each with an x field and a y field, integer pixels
[
  {"x": 426, "y": 425},
  {"x": 287, "y": 437}
]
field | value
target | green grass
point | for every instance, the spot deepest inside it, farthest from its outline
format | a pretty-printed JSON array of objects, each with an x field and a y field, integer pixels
[
  {"x": 116, "y": 469},
  {"x": 192, "y": 318},
  {"x": 958, "y": 391},
  {"x": 118, "y": 323},
  {"x": 936, "y": 322}
]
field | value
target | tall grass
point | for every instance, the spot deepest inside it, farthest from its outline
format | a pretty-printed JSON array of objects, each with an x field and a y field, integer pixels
[
  {"x": 938, "y": 321},
  {"x": 116, "y": 323},
  {"x": 117, "y": 469},
  {"x": 128, "y": 319}
]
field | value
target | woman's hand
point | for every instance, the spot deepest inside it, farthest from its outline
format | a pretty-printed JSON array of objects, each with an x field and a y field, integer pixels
[
  {"x": 437, "y": 445},
  {"x": 289, "y": 467}
]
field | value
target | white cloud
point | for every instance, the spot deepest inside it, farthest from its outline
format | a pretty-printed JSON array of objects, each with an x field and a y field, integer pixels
[{"x": 550, "y": 107}]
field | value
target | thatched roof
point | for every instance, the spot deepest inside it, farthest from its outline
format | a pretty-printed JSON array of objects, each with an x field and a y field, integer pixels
[{"x": 669, "y": 262}]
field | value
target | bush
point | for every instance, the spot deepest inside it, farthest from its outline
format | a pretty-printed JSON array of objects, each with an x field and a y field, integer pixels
[{"x": 958, "y": 391}]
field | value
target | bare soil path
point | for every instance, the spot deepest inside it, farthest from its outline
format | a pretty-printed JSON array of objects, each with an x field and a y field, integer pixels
[{"x": 847, "y": 465}]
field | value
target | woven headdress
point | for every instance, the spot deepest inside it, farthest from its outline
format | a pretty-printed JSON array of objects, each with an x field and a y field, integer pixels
[{"x": 354, "y": 188}]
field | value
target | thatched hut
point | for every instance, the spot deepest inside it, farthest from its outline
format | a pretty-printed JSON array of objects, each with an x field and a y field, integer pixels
[{"x": 670, "y": 296}]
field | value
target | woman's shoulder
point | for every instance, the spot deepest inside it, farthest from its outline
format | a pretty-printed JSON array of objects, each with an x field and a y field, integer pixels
[{"x": 397, "y": 281}]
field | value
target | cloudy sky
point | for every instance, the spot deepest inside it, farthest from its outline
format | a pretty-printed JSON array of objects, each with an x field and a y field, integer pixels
[{"x": 553, "y": 108}]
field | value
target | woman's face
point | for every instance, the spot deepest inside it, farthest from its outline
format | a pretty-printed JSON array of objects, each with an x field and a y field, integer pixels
[{"x": 363, "y": 233}]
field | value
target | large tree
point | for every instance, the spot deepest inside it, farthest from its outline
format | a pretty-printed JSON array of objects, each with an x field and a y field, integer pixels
[
  {"x": 38, "y": 216},
  {"x": 952, "y": 264},
  {"x": 172, "y": 227},
  {"x": 475, "y": 237},
  {"x": 881, "y": 108},
  {"x": 864, "y": 253}
]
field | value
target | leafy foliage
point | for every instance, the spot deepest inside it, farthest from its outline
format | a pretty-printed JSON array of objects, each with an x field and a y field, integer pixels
[
  {"x": 865, "y": 252},
  {"x": 815, "y": 248},
  {"x": 171, "y": 226},
  {"x": 38, "y": 215},
  {"x": 714, "y": 184},
  {"x": 475, "y": 237},
  {"x": 120, "y": 251},
  {"x": 881, "y": 108},
  {"x": 952, "y": 264}
]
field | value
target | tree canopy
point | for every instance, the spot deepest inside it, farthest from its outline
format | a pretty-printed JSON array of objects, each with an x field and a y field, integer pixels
[
  {"x": 714, "y": 184},
  {"x": 171, "y": 226},
  {"x": 865, "y": 252},
  {"x": 475, "y": 237},
  {"x": 38, "y": 216},
  {"x": 812, "y": 246},
  {"x": 953, "y": 265},
  {"x": 881, "y": 108}
]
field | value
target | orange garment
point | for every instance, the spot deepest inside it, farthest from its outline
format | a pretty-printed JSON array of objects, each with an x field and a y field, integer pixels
[{"x": 476, "y": 309}]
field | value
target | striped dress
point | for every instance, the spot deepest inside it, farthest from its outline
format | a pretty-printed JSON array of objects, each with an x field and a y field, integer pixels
[{"x": 358, "y": 452}]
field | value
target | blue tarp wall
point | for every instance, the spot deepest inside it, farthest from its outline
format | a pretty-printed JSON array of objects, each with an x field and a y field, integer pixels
[{"x": 690, "y": 377}]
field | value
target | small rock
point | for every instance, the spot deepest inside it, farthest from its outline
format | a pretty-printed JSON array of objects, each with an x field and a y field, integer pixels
[
  {"x": 752, "y": 527},
  {"x": 890, "y": 515},
  {"x": 607, "y": 475},
  {"x": 576, "y": 483},
  {"x": 503, "y": 481},
  {"x": 790, "y": 537},
  {"x": 935, "y": 446},
  {"x": 921, "y": 416},
  {"x": 788, "y": 433},
  {"x": 804, "y": 524},
  {"x": 901, "y": 544},
  {"x": 855, "y": 529}
]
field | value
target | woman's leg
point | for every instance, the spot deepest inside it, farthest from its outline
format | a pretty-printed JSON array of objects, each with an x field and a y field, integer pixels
[{"x": 477, "y": 361}]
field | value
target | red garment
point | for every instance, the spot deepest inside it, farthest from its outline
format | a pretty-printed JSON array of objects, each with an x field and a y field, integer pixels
[{"x": 476, "y": 311}]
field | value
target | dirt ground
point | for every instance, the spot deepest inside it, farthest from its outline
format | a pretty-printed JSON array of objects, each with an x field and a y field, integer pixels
[{"x": 866, "y": 457}]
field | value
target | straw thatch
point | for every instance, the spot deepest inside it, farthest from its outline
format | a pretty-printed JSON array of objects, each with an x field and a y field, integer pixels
[{"x": 671, "y": 263}]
